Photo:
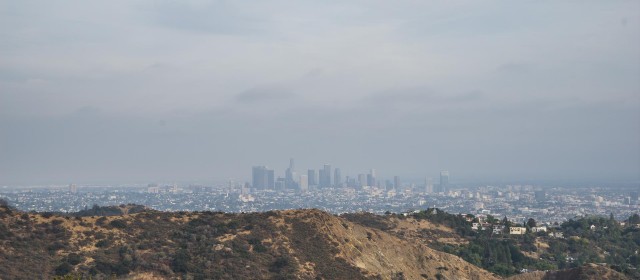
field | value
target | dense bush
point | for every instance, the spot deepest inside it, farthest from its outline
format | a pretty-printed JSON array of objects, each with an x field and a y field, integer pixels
[
  {"x": 63, "y": 269},
  {"x": 118, "y": 223},
  {"x": 103, "y": 243}
]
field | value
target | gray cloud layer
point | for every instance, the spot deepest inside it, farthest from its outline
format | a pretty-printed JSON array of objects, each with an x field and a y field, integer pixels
[{"x": 202, "y": 90}]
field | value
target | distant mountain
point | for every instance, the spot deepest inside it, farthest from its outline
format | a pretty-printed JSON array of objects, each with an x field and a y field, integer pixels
[{"x": 291, "y": 244}]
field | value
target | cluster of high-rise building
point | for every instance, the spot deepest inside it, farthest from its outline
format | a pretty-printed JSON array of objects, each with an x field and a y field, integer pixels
[{"x": 263, "y": 178}]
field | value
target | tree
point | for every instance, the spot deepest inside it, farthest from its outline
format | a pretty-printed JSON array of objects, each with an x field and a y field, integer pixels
[
  {"x": 491, "y": 219},
  {"x": 63, "y": 269},
  {"x": 634, "y": 219},
  {"x": 531, "y": 223},
  {"x": 181, "y": 261}
]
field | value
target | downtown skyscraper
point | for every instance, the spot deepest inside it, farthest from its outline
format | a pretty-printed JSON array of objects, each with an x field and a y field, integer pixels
[
  {"x": 371, "y": 178},
  {"x": 444, "y": 181},
  {"x": 325, "y": 176},
  {"x": 428, "y": 185},
  {"x": 290, "y": 176},
  {"x": 337, "y": 178},
  {"x": 262, "y": 177},
  {"x": 312, "y": 175}
]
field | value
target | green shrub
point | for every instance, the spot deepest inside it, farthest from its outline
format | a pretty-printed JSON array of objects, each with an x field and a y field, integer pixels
[
  {"x": 102, "y": 243},
  {"x": 63, "y": 269},
  {"x": 118, "y": 224}
]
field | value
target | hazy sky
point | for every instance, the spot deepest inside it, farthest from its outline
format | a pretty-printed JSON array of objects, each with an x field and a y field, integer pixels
[{"x": 143, "y": 91}]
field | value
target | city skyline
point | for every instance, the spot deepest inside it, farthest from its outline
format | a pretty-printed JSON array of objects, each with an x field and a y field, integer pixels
[{"x": 263, "y": 177}]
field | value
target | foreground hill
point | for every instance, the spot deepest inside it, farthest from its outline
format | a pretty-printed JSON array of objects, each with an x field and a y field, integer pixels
[
  {"x": 296, "y": 244},
  {"x": 131, "y": 242}
]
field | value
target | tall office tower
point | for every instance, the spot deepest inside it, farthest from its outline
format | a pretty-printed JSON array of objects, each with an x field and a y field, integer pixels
[
  {"x": 73, "y": 188},
  {"x": 396, "y": 182},
  {"x": 304, "y": 183},
  {"x": 444, "y": 181},
  {"x": 244, "y": 189},
  {"x": 259, "y": 177},
  {"x": 371, "y": 178},
  {"x": 262, "y": 177},
  {"x": 540, "y": 196},
  {"x": 270, "y": 179},
  {"x": 388, "y": 185},
  {"x": 290, "y": 174},
  {"x": 321, "y": 178},
  {"x": 633, "y": 196},
  {"x": 428, "y": 185},
  {"x": 352, "y": 182},
  {"x": 312, "y": 177},
  {"x": 230, "y": 185},
  {"x": 362, "y": 180},
  {"x": 325, "y": 177},
  {"x": 337, "y": 178}
]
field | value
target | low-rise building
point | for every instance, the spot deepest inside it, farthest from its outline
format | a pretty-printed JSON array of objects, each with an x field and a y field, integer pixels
[
  {"x": 539, "y": 229},
  {"x": 517, "y": 230},
  {"x": 556, "y": 234},
  {"x": 498, "y": 229}
]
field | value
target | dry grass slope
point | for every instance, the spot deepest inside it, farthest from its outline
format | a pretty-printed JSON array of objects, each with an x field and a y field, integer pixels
[
  {"x": 380, "y": 254},
  {"x": 293, "y": 244}
]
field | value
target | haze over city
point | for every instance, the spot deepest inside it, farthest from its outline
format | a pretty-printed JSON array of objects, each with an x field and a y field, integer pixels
[{"x": 159, "y": 91}]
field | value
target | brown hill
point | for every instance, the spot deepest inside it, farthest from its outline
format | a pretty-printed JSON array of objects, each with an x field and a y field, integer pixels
[
  {"x": 294, "y": 244},
  {"x": 380, "y": 254},
  {"x": 300, "y": 244},
  {"x": 415, "y": 230}
]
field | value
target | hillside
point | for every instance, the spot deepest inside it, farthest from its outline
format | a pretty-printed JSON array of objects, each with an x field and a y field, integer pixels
[
  {"x": 300, "y": 244},
  {"x": 415, "y": 230},
  {"x": 507, "y": 255},
  {"x": 132, "y": 242}
]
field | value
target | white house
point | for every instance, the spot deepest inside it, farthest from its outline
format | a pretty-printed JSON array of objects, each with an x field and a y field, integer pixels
[
  {"x": 539, "y": 229},
  {"x": 556, "y": 234},
  {"x": 517, "y": 230}
]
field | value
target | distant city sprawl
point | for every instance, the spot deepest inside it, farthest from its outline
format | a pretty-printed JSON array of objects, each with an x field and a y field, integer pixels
[{"x": 546, "y": 204}]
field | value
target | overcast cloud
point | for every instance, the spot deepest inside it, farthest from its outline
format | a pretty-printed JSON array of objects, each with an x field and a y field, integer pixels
[{"x": 144, "y": 91}]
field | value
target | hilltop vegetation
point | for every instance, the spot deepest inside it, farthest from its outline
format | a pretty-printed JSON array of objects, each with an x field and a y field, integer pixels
[
  {"x": 132, "y": 242},
  {"x": 586, "y": 240}
]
